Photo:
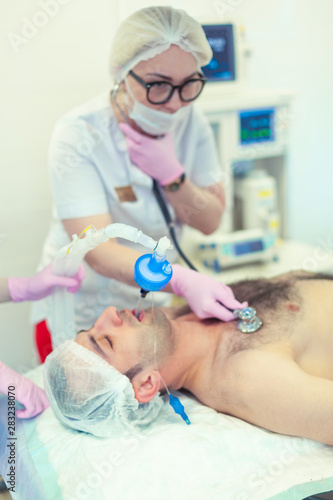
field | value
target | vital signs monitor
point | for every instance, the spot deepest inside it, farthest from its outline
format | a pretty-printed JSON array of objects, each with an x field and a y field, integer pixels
[{"x": 224, "y": 71}]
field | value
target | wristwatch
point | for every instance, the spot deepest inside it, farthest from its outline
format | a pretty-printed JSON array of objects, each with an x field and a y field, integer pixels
[{"x": 175, "y": 185}]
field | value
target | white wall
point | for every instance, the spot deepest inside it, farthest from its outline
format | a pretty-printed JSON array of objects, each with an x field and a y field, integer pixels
[
  {"x": 64, "y": 62},
  {"x": 292, "y": 41}
]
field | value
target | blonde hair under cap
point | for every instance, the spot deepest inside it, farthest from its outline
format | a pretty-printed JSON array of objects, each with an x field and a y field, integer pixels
[
  {"x": 149, "y": 32},
  {"x": 88, "y": 394}
]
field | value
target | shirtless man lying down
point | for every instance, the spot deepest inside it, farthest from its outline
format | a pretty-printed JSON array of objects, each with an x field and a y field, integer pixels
[{"x": 279, "y": 378}]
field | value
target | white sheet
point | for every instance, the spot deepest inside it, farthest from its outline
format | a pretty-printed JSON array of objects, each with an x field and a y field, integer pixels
[{"x": 216, "y": 457}]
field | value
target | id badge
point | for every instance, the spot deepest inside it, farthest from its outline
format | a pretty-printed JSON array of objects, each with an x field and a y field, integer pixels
[{"x": 125, "y": 193}]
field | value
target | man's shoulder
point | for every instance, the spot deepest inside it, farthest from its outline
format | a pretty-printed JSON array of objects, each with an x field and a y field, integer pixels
[
  {"x": 242, "y": 369},
  {"x": 245, "y": 362}
]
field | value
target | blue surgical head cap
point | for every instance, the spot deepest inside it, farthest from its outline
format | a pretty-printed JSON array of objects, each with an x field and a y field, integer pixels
[{"x": 88, "y": 394}]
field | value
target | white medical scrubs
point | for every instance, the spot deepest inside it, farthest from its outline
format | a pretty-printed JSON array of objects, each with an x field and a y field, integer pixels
[{"x": 89, "y": 162}]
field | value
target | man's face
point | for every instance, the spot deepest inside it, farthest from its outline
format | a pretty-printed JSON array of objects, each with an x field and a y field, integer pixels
[{"x": 124, "y": 341}]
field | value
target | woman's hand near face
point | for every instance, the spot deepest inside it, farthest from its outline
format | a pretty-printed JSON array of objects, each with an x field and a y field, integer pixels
[
  {"x": 156, "y": 157},
  {"x": 200, "y": 208}
]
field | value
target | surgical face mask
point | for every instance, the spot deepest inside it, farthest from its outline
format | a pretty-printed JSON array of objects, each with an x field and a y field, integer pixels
[{"x": 153, "y": 121}]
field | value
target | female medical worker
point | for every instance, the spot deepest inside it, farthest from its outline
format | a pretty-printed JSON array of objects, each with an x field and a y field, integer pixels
[
  {"x": 105, "y": 154},
  {"x": 33, "y": 288}
]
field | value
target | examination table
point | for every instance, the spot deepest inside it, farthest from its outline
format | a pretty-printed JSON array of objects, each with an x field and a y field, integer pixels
[{"x": 217, "y": 457}]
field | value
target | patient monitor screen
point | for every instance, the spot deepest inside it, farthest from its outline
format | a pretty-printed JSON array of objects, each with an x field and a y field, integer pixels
[
  {"x": 222, "y": 65},
  {"x": 257, "y": 125}
]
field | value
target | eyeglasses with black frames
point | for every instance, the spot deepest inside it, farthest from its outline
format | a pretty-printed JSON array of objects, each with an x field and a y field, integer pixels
[{"x": 161, "y": 92}]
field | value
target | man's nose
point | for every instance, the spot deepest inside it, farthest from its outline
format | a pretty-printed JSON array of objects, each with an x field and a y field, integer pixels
[{"x": 109, "y": 318}]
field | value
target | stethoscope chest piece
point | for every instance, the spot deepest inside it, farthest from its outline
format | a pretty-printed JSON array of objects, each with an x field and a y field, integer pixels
[{"x": 249, "y": 321}]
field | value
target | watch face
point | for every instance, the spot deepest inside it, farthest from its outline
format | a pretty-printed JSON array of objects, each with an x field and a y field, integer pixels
[{"x": 174, "y": 186}]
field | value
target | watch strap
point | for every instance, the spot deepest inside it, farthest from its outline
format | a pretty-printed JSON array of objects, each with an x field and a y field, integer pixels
[{"x": 175, "y": 185}]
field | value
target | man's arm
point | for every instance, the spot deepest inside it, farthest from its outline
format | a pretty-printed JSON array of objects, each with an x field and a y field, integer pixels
[{"x": 273, "y": 392}]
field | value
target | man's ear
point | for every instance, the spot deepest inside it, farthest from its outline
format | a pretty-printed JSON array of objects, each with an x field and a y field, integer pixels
[{"x": 146, "y": 384}]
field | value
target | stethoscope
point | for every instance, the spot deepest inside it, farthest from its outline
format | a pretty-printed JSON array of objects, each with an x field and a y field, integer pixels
[{"x": 248, "y": 319}]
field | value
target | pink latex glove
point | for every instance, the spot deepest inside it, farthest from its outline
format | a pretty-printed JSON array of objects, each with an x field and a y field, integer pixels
[
  {"x": 41, "y": 284},
  {"x": 155, "y": 157},
  {"x": 204, "y": 294},
  {"x": 25, "y": 391}
]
